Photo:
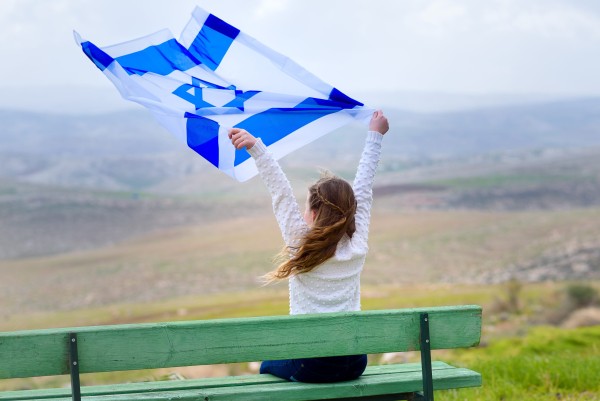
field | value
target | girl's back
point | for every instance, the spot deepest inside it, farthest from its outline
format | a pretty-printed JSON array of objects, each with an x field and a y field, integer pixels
[{"x": 326, "y": 247}]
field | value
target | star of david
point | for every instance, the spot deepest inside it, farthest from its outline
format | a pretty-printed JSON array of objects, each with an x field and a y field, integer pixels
[{"x": 194, "y": 94}]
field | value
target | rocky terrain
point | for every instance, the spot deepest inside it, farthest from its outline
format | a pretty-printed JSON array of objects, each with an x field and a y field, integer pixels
[{"x": 575, "y": 263}]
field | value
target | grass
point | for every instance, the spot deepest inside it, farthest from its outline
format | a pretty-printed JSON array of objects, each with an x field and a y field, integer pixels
[
  {"x": 273, "y": 300},
  {"x": 548, "y": 363}
]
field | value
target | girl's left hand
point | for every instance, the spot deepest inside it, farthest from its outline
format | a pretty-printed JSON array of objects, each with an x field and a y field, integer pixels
[{"x": 240, "y": 138}]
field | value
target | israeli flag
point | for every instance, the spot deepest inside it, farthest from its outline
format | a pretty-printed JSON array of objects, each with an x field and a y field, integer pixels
[{"x": 216, "y": 77}]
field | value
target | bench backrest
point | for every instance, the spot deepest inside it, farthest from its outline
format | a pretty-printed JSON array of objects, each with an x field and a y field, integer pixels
[{"x": 146, "y": 346}]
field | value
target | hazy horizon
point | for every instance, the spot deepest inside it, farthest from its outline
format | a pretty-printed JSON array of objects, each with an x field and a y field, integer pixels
[{"x": 88, "y": 99}]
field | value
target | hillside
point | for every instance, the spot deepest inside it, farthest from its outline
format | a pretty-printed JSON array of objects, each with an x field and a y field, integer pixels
[
  {"x": 212, "y": 257},
  {"x": 40, "y": 220},
  {"x": 130, "y": 151}
]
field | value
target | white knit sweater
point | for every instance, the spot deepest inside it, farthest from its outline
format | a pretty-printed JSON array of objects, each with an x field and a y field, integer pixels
[{"x": 334, "y": 286}]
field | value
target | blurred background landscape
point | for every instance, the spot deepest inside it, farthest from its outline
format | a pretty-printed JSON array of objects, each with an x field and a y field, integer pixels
[
  {"x": 107, "y": 219},
  {"x": 488, "y": 191}
]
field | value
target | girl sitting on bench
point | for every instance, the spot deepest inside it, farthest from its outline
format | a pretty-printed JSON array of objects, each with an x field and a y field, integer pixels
[{"x": 325, "y": 249}]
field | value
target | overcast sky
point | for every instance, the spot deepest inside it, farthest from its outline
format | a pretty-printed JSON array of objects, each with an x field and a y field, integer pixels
[{"x": 453, "y": 46}]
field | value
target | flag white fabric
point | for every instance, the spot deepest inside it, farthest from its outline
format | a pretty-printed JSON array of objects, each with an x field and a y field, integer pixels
[{"x": 216, "y": 77}]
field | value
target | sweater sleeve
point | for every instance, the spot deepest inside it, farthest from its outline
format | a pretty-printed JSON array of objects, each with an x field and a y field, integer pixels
[
  {"x": 288, "y": 215},
  {"x": 363, "y": 185}
]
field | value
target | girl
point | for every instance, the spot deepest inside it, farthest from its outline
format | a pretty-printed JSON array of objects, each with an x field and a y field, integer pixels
[{"x": 325, "y": 249}]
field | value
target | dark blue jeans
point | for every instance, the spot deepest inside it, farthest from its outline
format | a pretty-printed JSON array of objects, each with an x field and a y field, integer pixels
[{"x": 317, "y": 370}]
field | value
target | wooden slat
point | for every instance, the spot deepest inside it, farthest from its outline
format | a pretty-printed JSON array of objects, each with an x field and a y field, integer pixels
[
  {"x": 146, "y": 346},
  {"x": 142, "y": 387},
  {"x": 149, "y": 387},
  {"x": 393, "y": 383}
]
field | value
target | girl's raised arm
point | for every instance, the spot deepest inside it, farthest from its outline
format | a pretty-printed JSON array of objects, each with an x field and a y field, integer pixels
[
  {"x": 285, "y": 207},
  {"x": 365, "y": 175}
]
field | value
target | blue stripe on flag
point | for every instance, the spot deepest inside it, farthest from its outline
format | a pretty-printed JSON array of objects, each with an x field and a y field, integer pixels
[
  {"x": 326, "y": 104},
  {"x": 213, "y": 41},
  {"x": 274, "y": 124},
  {"x": 203, "y": 137},
  {"x": 221, "y": 26},
  {"x": 98, "y": 57},
  {"x": 160, "y": 59},
  {"x": 338, "y": 96}
]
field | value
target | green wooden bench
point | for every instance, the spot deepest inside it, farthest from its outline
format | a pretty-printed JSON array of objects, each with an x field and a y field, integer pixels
[{"x": 158, "y": 345}]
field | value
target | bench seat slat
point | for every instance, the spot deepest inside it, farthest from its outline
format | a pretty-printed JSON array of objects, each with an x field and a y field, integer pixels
[
  {"x": 403, "y": 378},
  {"x": 49, "y": 394},
  {"x": 147, "y": 346}
]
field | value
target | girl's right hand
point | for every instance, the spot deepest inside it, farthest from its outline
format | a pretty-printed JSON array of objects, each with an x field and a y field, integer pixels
[
  {"x": 379, "y": 123},
  {"x": 240, "y": 138}
]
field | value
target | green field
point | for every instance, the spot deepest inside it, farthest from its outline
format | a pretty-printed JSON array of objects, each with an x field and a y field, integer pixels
[
  {"x": 545, "y": 364},
  {"x": 504, "y": 180}
]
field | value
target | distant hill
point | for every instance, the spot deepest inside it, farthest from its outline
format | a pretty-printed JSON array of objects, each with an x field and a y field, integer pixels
[
  {"x": 124, "y": 150},
  {"x": 131, "y": 151},
  {"x": 556, "y": 125}
]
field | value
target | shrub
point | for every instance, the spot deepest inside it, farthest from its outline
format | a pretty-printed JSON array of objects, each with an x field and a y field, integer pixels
[
  {"x": 510, "y": 302},
  {"x": 571, "y": 298},
  {"x": 582, "y": 295}
]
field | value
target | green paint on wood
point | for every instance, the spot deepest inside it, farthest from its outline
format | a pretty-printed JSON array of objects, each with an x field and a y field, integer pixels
[
  {"x": 144, "y": 346},
  {"x": 170, "y": 386},
  {"x": 391, "y": 382}
]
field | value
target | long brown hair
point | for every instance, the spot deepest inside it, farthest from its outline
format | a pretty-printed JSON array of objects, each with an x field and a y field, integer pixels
[{"x": 332, "y": 200}]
